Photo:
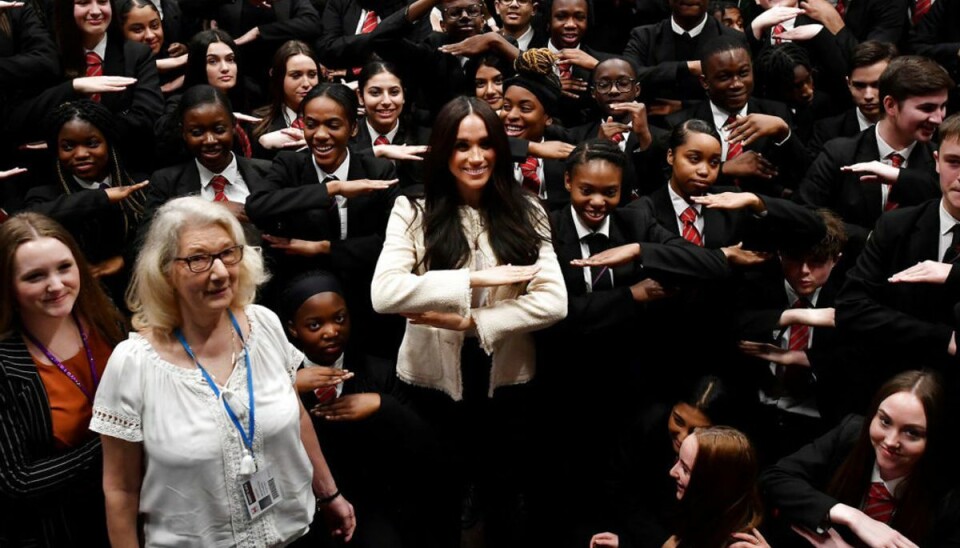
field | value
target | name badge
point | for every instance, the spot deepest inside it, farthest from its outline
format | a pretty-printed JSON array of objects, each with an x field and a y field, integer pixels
[{"x": 260, "y": 492}]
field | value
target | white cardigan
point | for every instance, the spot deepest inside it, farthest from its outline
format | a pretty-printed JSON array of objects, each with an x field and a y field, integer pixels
[{"x": 430, "y": 356}]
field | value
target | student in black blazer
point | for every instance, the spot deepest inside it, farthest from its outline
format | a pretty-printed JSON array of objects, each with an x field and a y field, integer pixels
[
  {"x": 311, "y": 221},
  {"x": 890, "y": 164},
  {"x": 761, "y": 152},
  {"x": 294, "y": 73},
  {"x": 841, "y": 484},
  {"x": 667, "y": 52},
  {"x": 141, "y": 22},
  {"x": 938, "y": 35},
  {"x": 343, "y": 44},
  {"x": 881, "y": 20}
]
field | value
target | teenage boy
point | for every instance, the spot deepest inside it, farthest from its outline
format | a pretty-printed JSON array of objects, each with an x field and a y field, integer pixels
[
  {"x": 517, "y": 19},
  {"x": 890, "y": 164}
]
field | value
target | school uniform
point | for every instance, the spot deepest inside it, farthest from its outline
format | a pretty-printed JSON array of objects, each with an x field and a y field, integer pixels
[
  {"x": 937, "y": 36},
  {"x": 406, "y": 132},
  {"x": 646, "y": 170},
  {"x": 881, "y": 20},
  {"x": 548, "y": 186},
  {"x": 342, "y": 44},
  {"x": 848, "y": 123},
  {"x": 573, "y": 112}
]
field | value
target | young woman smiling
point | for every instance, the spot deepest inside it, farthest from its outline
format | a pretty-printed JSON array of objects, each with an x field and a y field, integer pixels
[{"x": 294, "y": 73}]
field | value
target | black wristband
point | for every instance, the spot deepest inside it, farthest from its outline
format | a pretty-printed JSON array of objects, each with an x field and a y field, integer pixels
[{"x": 327, "y": 500}]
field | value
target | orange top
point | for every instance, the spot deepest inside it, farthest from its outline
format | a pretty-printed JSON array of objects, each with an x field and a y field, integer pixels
[{"x": 70, "y": 410}]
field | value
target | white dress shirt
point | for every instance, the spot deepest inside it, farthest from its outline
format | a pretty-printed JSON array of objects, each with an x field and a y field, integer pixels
[
  {"x": 341, "y": 173},
  {"x": 236, "y": 189},
  {"x": 582, "y": 232}
]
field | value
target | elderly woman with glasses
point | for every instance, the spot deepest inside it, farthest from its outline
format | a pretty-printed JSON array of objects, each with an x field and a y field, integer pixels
[{"x": 203, "y": 434}]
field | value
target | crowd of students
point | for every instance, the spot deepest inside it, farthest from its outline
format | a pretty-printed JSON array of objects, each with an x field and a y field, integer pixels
[{"x": 539, "y": 273}]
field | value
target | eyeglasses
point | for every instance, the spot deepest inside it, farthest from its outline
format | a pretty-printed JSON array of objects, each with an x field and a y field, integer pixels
[
  {"x": 517, "y": 2},
  {"x": 473, "y": 10},
  {"x": 203, "y": 262},
  {"x": 623, "y": 84}
]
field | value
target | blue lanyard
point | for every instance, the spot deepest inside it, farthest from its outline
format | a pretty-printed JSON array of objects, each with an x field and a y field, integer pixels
[{"x": 246, "y": 437}]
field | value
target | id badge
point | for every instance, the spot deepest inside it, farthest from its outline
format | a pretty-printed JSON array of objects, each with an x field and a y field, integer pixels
[{"x": 260, "y": 492}]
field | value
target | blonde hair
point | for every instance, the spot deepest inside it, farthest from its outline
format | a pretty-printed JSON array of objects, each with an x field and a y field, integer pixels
[{"x": 151, "y": 295}]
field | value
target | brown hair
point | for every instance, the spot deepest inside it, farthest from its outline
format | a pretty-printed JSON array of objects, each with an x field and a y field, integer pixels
[
  {"x": 912, "y": 76},
  {"x": 278, "y": 73},
  {"x": 92, "y": 303},
  {"x": 722, "y": 496},
  {"x": 872, "y": 52},
  {"x": 828, "y": 247},
  {"x": 950, "y": 128},
  {"x": 916, "y": 494}
]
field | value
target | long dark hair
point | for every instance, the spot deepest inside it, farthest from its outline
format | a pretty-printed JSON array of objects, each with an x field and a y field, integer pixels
[
  {"x": 278, "y": 72},
  {"x": 517, "y": 224},
  {"x": 918, "y": 492},
  {"x": 70, "y": 39},
  {"x": 196, "y": 71},
  {"x": 92, "y": 303},
  {"x": 722, "y": 497}
]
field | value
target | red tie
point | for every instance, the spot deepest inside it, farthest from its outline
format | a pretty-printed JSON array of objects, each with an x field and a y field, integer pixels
[
  {"x": 880, "y": 503},
  {"x": 896, "y": 160},
  {"x": 841, "y": 8},
  {"x": 325, "y": 395},
  {"x": 370, "y": 23},
  {"x": 382, "y": 140},
  {"x": 799, "y": 333},
  {"x": 777, "y": 31},
  {"x": 298, "y": 123},
  {"x": 245, "y": 149},
  {"x": 617, "y": 138},
  {"x": 734, "y": 149},
  {"x": 690, "y": 232},
  {"x": 566, "y": 71},
  {"x": 528, "y": 171},
  {"x": 920, "y": 9},
  {"x": 219, "y": 183},
  {"x": 94, "y": 68}
]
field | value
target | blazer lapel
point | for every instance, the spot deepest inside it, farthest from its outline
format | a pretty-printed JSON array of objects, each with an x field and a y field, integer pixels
[
  {"x": 869, "y": 151},
  {"x": 568, "y": 248}
]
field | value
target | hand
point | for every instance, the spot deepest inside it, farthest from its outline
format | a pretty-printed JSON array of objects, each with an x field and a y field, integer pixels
[
  {"x": 873, "y": 533},
  {"x": 237, "y": 209},
  {"x": 262, "y": 4},
  {"x": 473, "y": 45},
  {"x": 648, "y": 290},
  {"x": 250, "y": 35},
  {"x": 695, "y": 68},
  {"x": 241, "y": 117},
  {"x": 503, "y": 275},
  {"x": 312, "y": 378},
  {"x": 749, "y": 164},
  {"x": 610, "y": 127},
  {"x": 7, "y": 5},
  {"x": 335, "y": 74},
  {"x": 730, "y": 200},
  {"x": 339, "y": 517},
  {"x": 801, "y": 33},
  {"x": 737, "y": 255},
  {"x": 117, "y": 194},
  {"x": 108, "y": 267},
  {"x": 351, "y": 407},
  {"x": 170, "y": 63},
  {"x": 749, "y": 128},
  {"x": 579, "y": 58},
  {"x": 173, "y": 85},
  {"x": 638, "y": 121},
  {"x": 615, "y": 256},
  {"x": 605, "y": 540},
  {"x": 400, "y": 152},
  {"x": 931, "y": 272},
  {"x": 772, "y": 353},
  {"x": 442, "y": 320},
  {"x": 35, "y": 145},
  {"x": 824, "y": 12},
  {"x": 352, "y": 189},
  {"x": 831, "y": 540},
  {"x": 771, "y": 18},
  {"x": 663, "y": 107},
  {"x": 293, "y": 246},
  {"x": 6, "y": 174},
  {"x": 102, "y": 84},
  {"x": 286, "y": 138},
  {"x": 875, "y": 171},
  {"x": 814, "y": 317},
  {"x": 749, "y": 540},
  {"x": 177, "y": 49},
  {"x": 556, "y": 150},
  {"x": 573, "y": 87}
]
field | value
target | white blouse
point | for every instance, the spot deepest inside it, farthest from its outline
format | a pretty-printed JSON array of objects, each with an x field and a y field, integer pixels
[{"x": 190, "y": 494}]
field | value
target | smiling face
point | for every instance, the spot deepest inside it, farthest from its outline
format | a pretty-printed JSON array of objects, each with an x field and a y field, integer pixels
[
  {"x": 208, "y": 135},
  {"x": 684, "y": 465},
  {"x": 898, "y": 433},
  {"x": 142, "y": 24},
  {"x": 864, "y": 86},
  {"x": 684, "y": 419},
  {"x": 382, "y": 99},
  {"x": 322, "y": 326},
  {"x": 695, "y": 163},
  {"x": 300, "y": 77},
  {"x": 609, "y": 75},
  {"x": 82, "y": 150},
  {"x": 473, "y": 159},
  {"x": 461, "y": 19},
  {"x": 92, "y": 18},
  {"x": 202, "y": 294},
  {"x": 523, "y": 114},
  {"x": 327, "y": 130},
  {"x": 594, "y": 189},
  {"x": 948, "y": 167},
  {"x": 46, "y": 279},
  {"x": 728, "y": 79},
  {"x": 221, "y": 66},
  {"x": 916, "y": 118},
  {"x": 568, "y": 23},
  {"x": 489, "y": 86},
  {"x": 516, "y": 14}
]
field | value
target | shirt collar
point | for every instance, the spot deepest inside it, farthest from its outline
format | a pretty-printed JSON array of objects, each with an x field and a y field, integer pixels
[
  {"x": 341, "y": 173},
  {"x": 886, "y": 150},
  {"x": 679, "y": 204},
  {"x": 792, "y": 295},
  {"x": 336, "y": 365},
  {"x": 946, "y": 220},
  {"x": 720, "y": 116},
  {"x": 891, "y": 485},
  {"x": 101, "y": 48},
  {"x": 230, "y": 172},
  {"x": 554, "y": 49},
  {"x": 583, "y": 230},
  {"x": 862, "y": 120},
  {"x": 289, "y": 116},
  {"x": 694, "y": 32},
  {"x": 390, "y": 134},
  {"x": 93, "y": 185},
  {"x": 523, "y": 42}
]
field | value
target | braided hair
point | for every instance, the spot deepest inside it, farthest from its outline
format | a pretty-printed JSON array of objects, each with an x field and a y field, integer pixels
[
  {"x": 595, "y": 149},
  {"x": 774, "y": 69},
  {"x": 538, "y": 61},
  {"x": 101, "y": 118}
]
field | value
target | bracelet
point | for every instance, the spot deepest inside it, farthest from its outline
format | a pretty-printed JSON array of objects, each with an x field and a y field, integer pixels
[{"x": 327, "y": 500}]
